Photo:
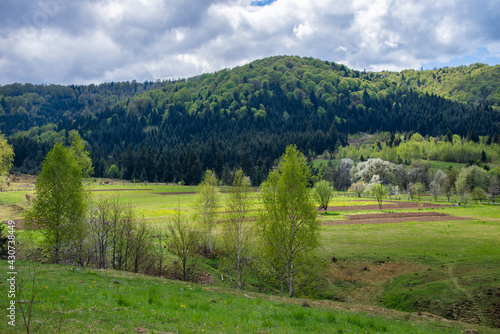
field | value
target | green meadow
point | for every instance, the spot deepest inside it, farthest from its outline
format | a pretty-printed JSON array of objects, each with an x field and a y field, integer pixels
[
  {"x": 76, "y": 300},
  {"x": 387, "y": 272}
]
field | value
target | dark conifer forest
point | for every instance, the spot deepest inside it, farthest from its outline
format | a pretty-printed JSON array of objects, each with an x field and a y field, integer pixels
[{"x": 172, "y": 131}]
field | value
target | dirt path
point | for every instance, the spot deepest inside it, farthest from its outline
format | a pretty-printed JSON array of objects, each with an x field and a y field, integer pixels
[{"x": 393, "y": 217}]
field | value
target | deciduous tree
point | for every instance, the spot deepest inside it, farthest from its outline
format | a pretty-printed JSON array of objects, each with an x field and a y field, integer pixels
[
  {"x": 494, "y": 189},
  {"x": 208, "y": 202},
  {"x": 323, "y": 193},
  {"x": 289, "y": 228},
  {"x": 183, "y": 242},
  {"x": 61, "y": 201},
  {"x": 6, "y": 157},
  {"x": 380, "y": 192},
  {"x": 82, "y": 156},
  {"x": 237, "y": 232},
  {"x": 435, "y": 189}
]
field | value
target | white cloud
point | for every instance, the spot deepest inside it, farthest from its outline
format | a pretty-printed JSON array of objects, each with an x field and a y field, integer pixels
[
  {"x": 303, "y": 30},
  {"x": 84, "y": 41}
]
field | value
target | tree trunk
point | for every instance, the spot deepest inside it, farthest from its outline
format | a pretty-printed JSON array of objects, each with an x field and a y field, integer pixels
[
  {"x": 184, "y": 270},
  {"x": 57, "y": 253},
  {"x": 238, "y": 265}
]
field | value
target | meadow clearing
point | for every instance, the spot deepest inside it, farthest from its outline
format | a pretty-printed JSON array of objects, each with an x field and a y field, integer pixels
[{"x": 448, "y": 267}]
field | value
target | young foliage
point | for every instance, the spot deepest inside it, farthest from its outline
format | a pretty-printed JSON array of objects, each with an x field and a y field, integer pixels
[
  {"x": 323, "y": 193},
  {"x": 380, "y": 192},
  {"x": 6, "y": 155},
  {"x": 183, "y": 243},
  {"x": 61, "y": 201},
  {"x": 82, "y": 156},
  {"x": 237, "y": 234},
  {"x": 359, "y": 187},
  {"x": 208, "y": 202},
  {"x": 289, "y": 229}
]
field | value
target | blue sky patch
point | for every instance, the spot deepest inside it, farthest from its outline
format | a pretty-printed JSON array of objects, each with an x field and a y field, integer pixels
[
  {"x": 261, "y": 3},
  {"x": 480, "y": 55}
]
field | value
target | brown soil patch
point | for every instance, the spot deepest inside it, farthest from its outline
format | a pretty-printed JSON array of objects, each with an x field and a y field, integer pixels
[
  {"x": 394, "y": 217},
  {"x": 19, "y": 224},
  {"x": 389, "y": 205},
  {"x": 366, "y": 279}
]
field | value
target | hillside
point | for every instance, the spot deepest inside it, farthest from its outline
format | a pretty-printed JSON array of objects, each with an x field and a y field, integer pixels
[
  {"x": 77, "y": 300},
  {"x": 173, "y": 130},
  {"x": 477, "y": 83}
]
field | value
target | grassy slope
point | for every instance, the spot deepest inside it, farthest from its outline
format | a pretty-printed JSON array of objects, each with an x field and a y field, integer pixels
[
  {"x": 432, "y": 266},
  {"x": 78, "y": 300}
]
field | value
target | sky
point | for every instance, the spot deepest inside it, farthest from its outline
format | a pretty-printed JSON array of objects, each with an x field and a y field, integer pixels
[{"x": 95, "y": 41}]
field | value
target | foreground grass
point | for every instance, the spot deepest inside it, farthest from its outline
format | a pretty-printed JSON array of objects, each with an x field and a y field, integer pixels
[{"x": 75, "y": 300}]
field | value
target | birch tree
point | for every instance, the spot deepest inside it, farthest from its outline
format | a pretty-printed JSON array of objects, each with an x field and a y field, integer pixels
[
  {"x": 61, "y": 201},
  {"x": 237, "y": 233},
  {"x": 288, "y": 225},
  {"x": 208, "y": 202}
]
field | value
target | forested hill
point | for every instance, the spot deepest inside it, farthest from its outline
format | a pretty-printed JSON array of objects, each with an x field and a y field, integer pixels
[
  {"x": 477, "y": 83},
  {"x": 246, "y": 116}
]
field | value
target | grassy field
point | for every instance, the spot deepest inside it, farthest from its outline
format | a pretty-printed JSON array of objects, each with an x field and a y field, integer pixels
[
  {"x": 450, "y": 268},
  {"x": 75, "y": 300}
]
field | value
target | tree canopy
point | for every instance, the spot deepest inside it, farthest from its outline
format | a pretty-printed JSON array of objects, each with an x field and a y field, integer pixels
[
  {"x": 60, "y": 201},
  {"x": 6, "y": 155},
  {"x": 289, "y": 227}
]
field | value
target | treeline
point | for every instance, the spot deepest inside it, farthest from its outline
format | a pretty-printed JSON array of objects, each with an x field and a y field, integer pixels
[
  {"x": 477, "y": 181},
  {"x": 403, "y": 148},
  {"x": 171, "y": 131}
]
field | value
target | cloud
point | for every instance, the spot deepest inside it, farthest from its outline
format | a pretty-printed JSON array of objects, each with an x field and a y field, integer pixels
[{"x": 83, "y": 41}]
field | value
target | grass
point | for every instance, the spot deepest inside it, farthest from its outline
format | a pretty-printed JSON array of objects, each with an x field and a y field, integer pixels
[
  {"x": 435, "y": 266},
  {"x": 75, "y": 300},
  {"x": 450, "y": 268}
]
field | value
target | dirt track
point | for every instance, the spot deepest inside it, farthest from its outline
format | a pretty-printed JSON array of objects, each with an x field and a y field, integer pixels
[{"x": 394, "y": 217}]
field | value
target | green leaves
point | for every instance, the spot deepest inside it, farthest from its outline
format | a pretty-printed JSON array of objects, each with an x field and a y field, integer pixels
[
  {"x": 323, "y": 193},
  {"x": 61, "y": 200},
  {"x": 6, "y": 155},
  {"x": 380, "y": 192},
  {"x": 289, "y": 228}
]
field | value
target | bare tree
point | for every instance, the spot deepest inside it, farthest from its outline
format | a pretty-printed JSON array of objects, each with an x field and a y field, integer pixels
[
  {"x": 183, "y": 242},
  {"x": 208, "y": 202},
  {"x": 100, "y": 232},
  {"x": 494, "y": 189},
  {"x": 435, "y": 189},
  {"x": 237, "y": 232},
  {"x": 25, "y": 298}
]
